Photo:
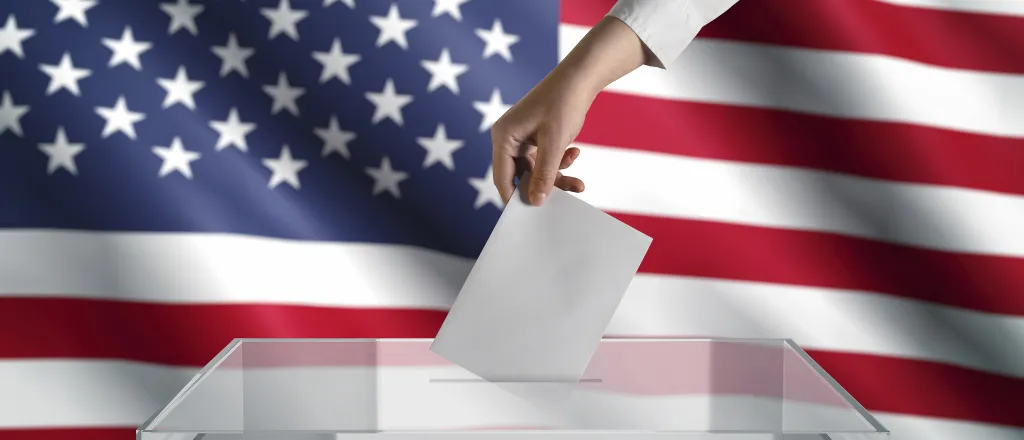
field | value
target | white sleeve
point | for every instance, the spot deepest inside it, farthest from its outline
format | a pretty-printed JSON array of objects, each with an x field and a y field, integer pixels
[{"x": 666, "y": 27}]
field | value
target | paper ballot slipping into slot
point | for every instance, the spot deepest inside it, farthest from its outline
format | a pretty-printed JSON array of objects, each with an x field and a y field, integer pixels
[{"x": 542, "y": 292}]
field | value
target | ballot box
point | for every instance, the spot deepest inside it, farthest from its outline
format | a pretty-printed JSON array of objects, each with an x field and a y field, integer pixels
[{"x": 341, "y": 389}]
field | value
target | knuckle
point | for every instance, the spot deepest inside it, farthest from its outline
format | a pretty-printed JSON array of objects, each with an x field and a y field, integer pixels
[
  {"x": 498, "y": 134},
  {"x": 497, "y": 130}
]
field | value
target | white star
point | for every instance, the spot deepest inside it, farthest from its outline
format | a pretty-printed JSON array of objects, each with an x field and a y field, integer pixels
[
  {"x": 491, "y": 110},
  {"x": 11, "y": 37},
  {"x": 232, "y": 57},
  {"x": 486, "y": 191},
  {"x": 126, "y": 50},
  {"x": 232, "y": 132},
  {"x": 336, "y": 63},
  {"x": 497, "y": 41},
  {"x": 335, "y": 139},
  {"x": 350, "y": 3},
  {"x": 444, "y": 72},
  {"x": 440, "y": 148},
  {"x": 73, "y": 9},
  {"x": 389, "y": 104},
  {"x": 64, "y": 76},
  {"x": 285, "y": 169},
  {"x": 119, "y": 118},
  {"x": 61, "y": 153},
  {"x": 392, "y": 28},
  {"x": 284, "y": 20},
  {"x": 183, "y": 15},
  {"x": 180, "y": 89},
  {"x": 386, "y": 178},
  {"x": 450, "y": 7},
  {"x": 176, "y": 158},
  {"x": 10, "y": 114},
  {"x": 284, "y": 95}
]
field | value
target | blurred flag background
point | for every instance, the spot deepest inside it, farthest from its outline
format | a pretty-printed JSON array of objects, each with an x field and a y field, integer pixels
[{"x": 178, "y": 173}]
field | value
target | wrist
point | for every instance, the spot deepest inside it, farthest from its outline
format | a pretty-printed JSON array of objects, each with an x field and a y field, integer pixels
[{"x": 608, "y": 52}]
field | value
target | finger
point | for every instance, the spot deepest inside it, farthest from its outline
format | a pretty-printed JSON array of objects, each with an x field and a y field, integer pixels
[
  {"x": 504, "y": 171},
  {"x": 545, "y": 171},
  {"x": 504, "y": 176},
  {"x": 569, "y": 157},
  {"x": 530, "y": 159},
  {"x": 570, "y": 184},
  {"x": 523, "y": 166},
  {"x": 562, "y": 182}
]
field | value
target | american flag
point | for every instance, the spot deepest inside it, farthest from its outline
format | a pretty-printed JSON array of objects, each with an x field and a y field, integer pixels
[{"x": 178, "y": 173}]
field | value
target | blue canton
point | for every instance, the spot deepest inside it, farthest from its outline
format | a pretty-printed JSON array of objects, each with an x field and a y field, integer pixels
[{"x": 333, "y": 120}]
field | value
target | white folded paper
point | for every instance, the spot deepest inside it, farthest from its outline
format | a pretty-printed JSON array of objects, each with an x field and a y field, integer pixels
[{"x": 542, "y": 292}]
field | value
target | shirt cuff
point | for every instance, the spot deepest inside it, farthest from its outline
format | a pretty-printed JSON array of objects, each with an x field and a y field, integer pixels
[{"x": 666, "y": 27}]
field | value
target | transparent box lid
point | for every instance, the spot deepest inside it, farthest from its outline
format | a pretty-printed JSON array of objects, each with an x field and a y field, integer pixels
[{"x": 691, "y": 389}]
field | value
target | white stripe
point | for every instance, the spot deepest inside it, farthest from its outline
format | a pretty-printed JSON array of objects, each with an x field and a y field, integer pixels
[
  {"x": 40, "y": 394},
  {"x": 929, "y": 216},
  {"x": 114, "y": 393},
  {"x": 1002, "y": 7},
  {"x": 846, "y": 321},
  {"x": 222, "y": 269},
  {"x": 842, "y": 84},
  {"x": 905, "y": 427}
]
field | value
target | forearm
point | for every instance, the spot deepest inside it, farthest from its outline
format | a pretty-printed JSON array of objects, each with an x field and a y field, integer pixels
[
  {"x": 635, "y": 33},
  {"x": 608, "y": 52}
]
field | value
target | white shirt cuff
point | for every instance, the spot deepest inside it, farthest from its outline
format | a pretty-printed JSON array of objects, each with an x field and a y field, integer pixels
[{"x": 667, "y": 27}]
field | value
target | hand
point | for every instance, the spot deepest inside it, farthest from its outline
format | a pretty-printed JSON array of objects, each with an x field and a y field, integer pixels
[
  {"x": 532, "y": 136},
  {"x": 534, "y": 133}
]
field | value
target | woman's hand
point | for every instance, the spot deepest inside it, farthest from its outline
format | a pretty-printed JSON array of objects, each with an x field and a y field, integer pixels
[
  {"x": 532, "y": 136},
  {"x": 534, "y": 133}
]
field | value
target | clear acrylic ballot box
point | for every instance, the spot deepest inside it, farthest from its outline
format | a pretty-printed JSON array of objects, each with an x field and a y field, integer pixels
[{"x": 341, "y": 389}]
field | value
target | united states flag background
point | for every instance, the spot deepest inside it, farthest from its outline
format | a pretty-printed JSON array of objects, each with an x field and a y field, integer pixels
[{"x": 176, "y": 174}]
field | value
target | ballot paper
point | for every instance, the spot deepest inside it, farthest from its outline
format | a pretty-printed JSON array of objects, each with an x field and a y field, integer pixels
[{"x": 542, "y": 292}]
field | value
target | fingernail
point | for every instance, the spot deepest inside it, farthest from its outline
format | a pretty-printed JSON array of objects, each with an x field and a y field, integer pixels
[{"x": 538, "y": 198}]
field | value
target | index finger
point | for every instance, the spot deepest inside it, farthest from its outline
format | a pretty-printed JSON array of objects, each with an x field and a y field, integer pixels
[{"x": 504, "y": 173}]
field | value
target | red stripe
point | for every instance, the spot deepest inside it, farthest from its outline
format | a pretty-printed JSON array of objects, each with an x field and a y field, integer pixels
[
  {"x": 192, "y": 335},
  {"x": 739, "y": 252},
  {"x": 960, "y": 40},
  {"x": 187, "y": 335},
  {"x": 893, "y": 151},
  {"x": 925, "y": 388}
]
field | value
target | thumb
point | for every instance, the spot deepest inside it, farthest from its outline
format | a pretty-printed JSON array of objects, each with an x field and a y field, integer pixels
[{"x": 545, "y": 171}]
